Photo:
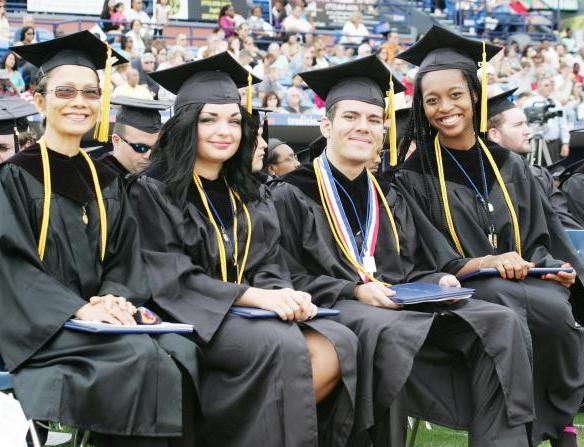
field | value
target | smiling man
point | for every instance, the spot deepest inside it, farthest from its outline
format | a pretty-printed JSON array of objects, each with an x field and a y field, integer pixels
[
  {"x": 346, "y": 238},
  {"x": 135, "y": 131}
]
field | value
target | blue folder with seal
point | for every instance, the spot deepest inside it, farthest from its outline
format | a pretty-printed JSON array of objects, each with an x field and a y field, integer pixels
[
  {"x": 577, "y": 239},
  {"x": 97, "y": 327},
  {"x": 536, "y": 272},
  {"x": 422, "y": 292},
  {"x": 254, "y": 312}
]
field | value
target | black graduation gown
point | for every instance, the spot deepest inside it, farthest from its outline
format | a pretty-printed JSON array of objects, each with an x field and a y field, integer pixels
[
  {"x": 121, "y": 385},
  {"x": 573, "y": 188},
  {"x": 257, "y": 389},
  {"x": 391, "y": 341},
  {"x": 557, "y": 199},
  {"x": 117, "y": 168},
  {"x": 551, "y": 333}
]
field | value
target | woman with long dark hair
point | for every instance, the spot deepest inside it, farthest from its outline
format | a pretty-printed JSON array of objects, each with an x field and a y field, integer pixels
[
  {"x": 211, "y": 241},
  {"x": 485, "y": 201},
  {"x": 70, "y": 250}
]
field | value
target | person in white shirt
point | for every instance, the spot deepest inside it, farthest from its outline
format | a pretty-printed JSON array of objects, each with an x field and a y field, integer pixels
[
  {"x": 137, "y": 13},
  {"x": 296, "y": 23},
  {"x": 132, "y": 88},
  {"x": 354, "y": 31},
  {"x": 135, "y": 34}
]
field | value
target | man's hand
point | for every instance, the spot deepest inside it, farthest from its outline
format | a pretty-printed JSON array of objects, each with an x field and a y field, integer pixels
[
  {"x": 564, "y": 278},
  {"x": 376, "y": 294},
  {"x": 565, "y": 150},
  {"x": 449, "y": 281},
  {"x": 510, "y": 265}
]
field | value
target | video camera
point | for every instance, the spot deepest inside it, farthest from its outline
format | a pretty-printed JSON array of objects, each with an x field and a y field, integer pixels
[{"x": 539, "y": 112}]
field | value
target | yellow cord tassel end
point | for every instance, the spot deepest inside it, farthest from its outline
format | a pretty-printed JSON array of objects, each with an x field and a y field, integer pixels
[
  {"x": 102, "y": 129},
  {"x": 484, "y": 85},
  {"x": 249, "y": 93},
  {"x": 390, "y": 115}
]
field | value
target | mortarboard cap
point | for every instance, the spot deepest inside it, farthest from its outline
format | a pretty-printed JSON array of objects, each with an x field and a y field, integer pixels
[
  {"x": 366, "y": 79},
  {"x": 142, "y": 114},
  {"x": 214, "y": 80},
  {"x": 441, "y": 49},
  {"x": 500, "y": 103},
  {"x": 81, "y": 48},
  {"x": 402, "y": 120},
  {"x": 13, "y": 113}
]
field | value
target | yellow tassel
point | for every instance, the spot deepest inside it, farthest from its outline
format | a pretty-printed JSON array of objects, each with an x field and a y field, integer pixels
[
  {"x": 102, "y": 129},
  {"x": 484, "y": 85},
  {"x": 249, "y": 93},
  {"x": 390, "y": 114}
]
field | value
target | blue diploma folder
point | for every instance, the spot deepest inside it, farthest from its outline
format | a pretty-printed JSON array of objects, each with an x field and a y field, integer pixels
[
  {"x": 577, "y": 239},
  {"x": 536, "y": 271},
  {"x": 254, "y": 312},
  {"x": 106, "y": 328},
  {"x": 422, "y": 292}
]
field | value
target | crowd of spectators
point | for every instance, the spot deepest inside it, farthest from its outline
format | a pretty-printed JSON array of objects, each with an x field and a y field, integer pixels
[{"x": 277, "y": 51}]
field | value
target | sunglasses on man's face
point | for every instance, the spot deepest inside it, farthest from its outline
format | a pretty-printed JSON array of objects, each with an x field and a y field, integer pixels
[
  {"x": 64, "y": 92},
  {"x": 138, "y": 147}
]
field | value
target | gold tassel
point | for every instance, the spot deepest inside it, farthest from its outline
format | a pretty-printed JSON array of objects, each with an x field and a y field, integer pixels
[
  {"x": 249, "y": 93},
  {"x": 102, "y": 129},
  {"x": 390, "y": 115},
  {"x": 484, "y": 85}
]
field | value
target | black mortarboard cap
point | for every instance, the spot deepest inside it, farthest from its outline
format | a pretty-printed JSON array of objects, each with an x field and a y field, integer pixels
[
  {"x": 81, "y": 48},
  {"x": 365, "y": 79},
  {"x": 13, "y": 113},
  {"x": 441, "y": 49},
  {"x": 501, "y": 102},
  {"x": 143, "y": 114},
  {"x": 214, "y": 80},
  {"x": 402, "y": 118}
]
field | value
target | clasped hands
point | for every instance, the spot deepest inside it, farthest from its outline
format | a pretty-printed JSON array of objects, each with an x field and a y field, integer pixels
[
  {"x": 108, "y": 309},
  {"x": 290, "y": 305}
]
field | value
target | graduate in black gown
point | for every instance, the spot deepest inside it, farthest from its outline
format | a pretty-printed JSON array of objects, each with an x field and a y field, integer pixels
[
  {"x": 465, "y": 363},
  {"x": 210, "y": 241},
  {"x": 70, "y": 249},
  {"x": 486, "y": 204},
  {"x": 573, "y": 188},
  {"x": 135, "y": 131},
  {"x": 13, "y": 121}
]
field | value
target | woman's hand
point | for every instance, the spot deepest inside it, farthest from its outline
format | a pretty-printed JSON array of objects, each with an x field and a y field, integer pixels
[
  {"x": 449, "y": 281},
  {"x": 108, "y": 309},
  {"x": 564, "y": 278},
  {"x": 376, "y": 294},
  {"x": 509, "y": 265},
  {"x": 290, "y": 305}
]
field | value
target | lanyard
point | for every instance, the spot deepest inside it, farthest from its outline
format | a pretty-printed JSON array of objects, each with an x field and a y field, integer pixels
[{"x": 223, "y": 227}]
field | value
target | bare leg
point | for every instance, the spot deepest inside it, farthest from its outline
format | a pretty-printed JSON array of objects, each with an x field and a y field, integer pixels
[{"x": 326, "y": 370}]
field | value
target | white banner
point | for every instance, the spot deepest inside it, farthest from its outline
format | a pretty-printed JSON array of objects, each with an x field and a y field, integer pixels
[{"x": 65, "y": 6}]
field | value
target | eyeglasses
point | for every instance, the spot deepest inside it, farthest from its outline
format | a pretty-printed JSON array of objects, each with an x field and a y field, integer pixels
[
  {"x": 64, "y": 92},
  {"x": 138, "y": 147}
]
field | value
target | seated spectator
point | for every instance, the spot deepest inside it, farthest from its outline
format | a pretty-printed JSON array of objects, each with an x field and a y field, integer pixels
[
  {"x": 226, "y": 20},
  {"x": 339, "y": 56},
  {"x": 135, "y": 34},
  {"x": 119, "y": 75},
  {"x": 354, "y": 31},
  {"x": 27, "y": 35},
  {"x": 106, "y": 15},
  {"x": 234, "y": 46},
  {"x": 118, "y": 18},
  {"x": 4, "y": 25},
  {"x": 271, "y": 82},
  {"x": 27, "y": 70},
  {"x": 10, "y": 65},
  {"x": 293, "y": 99},
  {"x": 320, "y": 56},
  {"x": 132, "y": 88},
  {"x": 257, "y": 24},
  {"x": 212, "y": 47},
  {"x": 175, "y": 57},
  {"x": 161, "y": 56},
  {"x": 245, "y": 59},
  {"x": 262, "y": 67},
  {"x": 248, "y": 44},
  {"x": 280, "y": 158},
  {"x": 127, "y": 47},
  {"x": 364, "y": 50},
  {"x": 392, "y": 46},
  {"x": 291, "y": 47},
  {"x": 136, "y": 12},
  {"x": 243, "y": 31},
  {"x": 278, "y": 13},
  {"x": 160, "y": 17},
  {"x": 180, "y": 41},
  {"x": 146, "y": 65},
  {"x": 272, "y": 102},
  {"x": 296, "y": 22}
]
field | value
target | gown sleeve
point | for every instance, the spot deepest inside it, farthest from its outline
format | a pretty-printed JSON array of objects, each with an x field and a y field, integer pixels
[
  {"x": 179, "y": 286},
  {"x": 34, "y": 304}
]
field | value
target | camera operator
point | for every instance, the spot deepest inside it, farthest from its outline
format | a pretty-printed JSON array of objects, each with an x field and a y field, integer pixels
[
  {"x": 507, "y": 126},
  {"x": 550, "y": 117}
]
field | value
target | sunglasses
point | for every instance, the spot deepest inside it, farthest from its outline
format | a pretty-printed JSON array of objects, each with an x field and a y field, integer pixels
[
  {"x": 138, "y": 147},
  {"x": 63, "y": 92}
]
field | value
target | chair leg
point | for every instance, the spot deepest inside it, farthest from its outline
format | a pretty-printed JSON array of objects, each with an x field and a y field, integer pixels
[{"x": 414, "y": 433}]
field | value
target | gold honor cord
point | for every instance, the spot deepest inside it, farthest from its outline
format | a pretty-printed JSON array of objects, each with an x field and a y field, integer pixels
[
  {"x": 220, "y": 243},
  {"x": 47, "y": 201},
  {"x": 337, "y": 232},
  {"x": 444, "y": 194}
]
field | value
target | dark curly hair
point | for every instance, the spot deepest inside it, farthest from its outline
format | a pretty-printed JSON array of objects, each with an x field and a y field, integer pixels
[{"x": 174, "y": 155}]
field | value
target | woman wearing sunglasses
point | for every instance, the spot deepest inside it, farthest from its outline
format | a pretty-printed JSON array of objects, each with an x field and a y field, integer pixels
[
  {"x": 210, "y": 241},
  {"x": 70, "y": 250},
  {"x": 486, "y": 203}
]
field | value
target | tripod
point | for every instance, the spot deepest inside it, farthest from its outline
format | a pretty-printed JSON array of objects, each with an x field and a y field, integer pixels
[{"x": 539, "y": 148}]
